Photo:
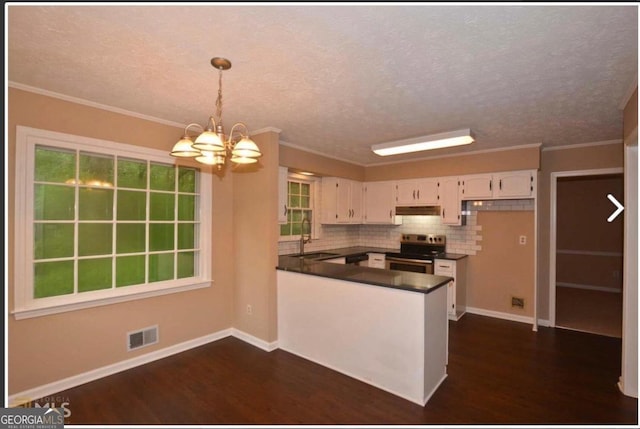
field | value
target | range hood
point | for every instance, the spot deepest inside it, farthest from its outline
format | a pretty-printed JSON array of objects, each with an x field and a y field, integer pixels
[{"x": 418, "y": 211}]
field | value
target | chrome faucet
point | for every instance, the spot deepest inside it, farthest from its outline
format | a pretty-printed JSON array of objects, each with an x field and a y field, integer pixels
[{"x": 304, "y": 239}]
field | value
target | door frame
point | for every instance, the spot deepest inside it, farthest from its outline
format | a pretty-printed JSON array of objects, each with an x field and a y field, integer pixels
[{"x": 553, "y": 226}]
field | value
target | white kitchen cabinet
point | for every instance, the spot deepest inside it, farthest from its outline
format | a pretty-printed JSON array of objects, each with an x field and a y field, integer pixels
[
  {"x": 283, "y": 192},
  {"x": 376, "y": 260},
  {"x": 417, "y": 192},
  {"x": 379, "y": 203},
  {"x": 514, "y": 184},
  {"x": 341, "y": 201},
  {"x": 449, "y": 197},
  {"x": 476, "y": 187},
  {"x": 457, "y": 288}
]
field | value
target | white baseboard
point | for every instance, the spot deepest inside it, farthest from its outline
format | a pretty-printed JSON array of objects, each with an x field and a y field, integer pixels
[
  {"x": 544, "y": 322},
  {"x": 254, "y": 341},
  {"x": 500, "y": 315},
  {"x": 95, "y": 374}
]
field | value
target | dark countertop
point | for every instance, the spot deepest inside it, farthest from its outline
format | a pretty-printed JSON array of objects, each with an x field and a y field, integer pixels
[
  {"x": 414, "y": 282},
  {"x": 451, "y": 256}
]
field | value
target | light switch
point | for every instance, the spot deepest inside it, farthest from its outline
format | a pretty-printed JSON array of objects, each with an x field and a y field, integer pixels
[{"x": 523, "y": 239}]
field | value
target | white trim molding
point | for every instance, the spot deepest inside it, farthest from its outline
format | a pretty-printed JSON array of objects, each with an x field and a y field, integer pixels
[
  {"x": 93, "y": 104},
  {"x": 553, "y": 196},
  {"x": 500, "y": 315},
  {"x": 105, "y": 371},
  {"x": 254, "y": 341},
  {"x": 581, "y": 145},
  {"x": 95, "y": 374}
]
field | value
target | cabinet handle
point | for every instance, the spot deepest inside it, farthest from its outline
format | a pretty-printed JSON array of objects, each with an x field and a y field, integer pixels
[
  {"x": 418, "y": 193},
  {"x": 443, "y": 213},
  {"x": 414, "y": 194},
  {"x": 390, "y": 214},
  {"x": 490, "y": 183},
  {"x": 501, "y": 184}
]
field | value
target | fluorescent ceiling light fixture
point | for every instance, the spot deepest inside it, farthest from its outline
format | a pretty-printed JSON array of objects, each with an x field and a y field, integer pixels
[{"x": 434, "y": 141}]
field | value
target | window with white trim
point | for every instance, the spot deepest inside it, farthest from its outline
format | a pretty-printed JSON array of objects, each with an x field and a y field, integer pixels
[
  {"x": 100, "y": 222},
  {"x": 300, "y": 205}
]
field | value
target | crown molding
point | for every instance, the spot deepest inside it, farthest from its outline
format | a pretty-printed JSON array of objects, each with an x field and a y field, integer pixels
[
  {"x": 93, "y": 104},
  {"x": 580, "y": 145},
  {"x": 315, "y": 152}
]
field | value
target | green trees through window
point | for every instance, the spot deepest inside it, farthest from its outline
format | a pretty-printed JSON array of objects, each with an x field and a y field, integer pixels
[
  {"x": 103, "y": 222},
  {"x": 299, "y": 207}
]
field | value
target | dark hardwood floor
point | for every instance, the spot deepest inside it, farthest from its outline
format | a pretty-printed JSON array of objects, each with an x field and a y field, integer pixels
[{"x": 500, "y": 372}]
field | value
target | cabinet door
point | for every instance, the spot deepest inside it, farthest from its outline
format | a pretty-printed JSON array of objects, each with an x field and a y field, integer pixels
[
  {"x": 417, "y": 192},
  {"x": 447, "y": 268},
  {"x": 343, "y": 202},
  {"x": 379, "y": 202},
  {"x": 476, "y": 187},
  {"x": 450, "y": 201},
  {"x": 427, "y": 192},
  {"x": 406, "y": 192},
  {"x": 283, "y": 191},
  {"x": 514, "y": 184},
  {"x": 356, "y": 202}
]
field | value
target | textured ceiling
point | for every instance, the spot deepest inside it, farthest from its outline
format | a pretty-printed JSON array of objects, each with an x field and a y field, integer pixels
[{"x": 337, "y": 79}]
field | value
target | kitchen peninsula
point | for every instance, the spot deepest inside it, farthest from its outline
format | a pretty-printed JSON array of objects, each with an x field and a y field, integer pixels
[{"x": 384, "y": 327}]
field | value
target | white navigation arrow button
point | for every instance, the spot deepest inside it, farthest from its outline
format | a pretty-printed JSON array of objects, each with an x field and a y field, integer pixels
[{"x": 619, "y": 208}]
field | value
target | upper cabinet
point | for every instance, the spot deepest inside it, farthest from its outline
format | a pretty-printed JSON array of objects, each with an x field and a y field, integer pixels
[
  {"x": 417, "y": 192},
  {"x": 506, "y": 185},
  {"x": 341, "y": 201},
  {"x": 449, "y": 193},
  {"x": 515, "y": 184},
  {"x": 379, "y": 203},
  {"x": 283, "y": 176},
  {"x": 476, "y": 187}
]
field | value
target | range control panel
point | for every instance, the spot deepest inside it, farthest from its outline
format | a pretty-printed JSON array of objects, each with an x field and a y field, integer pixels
[{"x": 425, "y": 239}]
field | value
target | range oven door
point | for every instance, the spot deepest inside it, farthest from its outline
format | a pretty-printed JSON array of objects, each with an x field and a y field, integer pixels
[{"x": 413, "y": 265}]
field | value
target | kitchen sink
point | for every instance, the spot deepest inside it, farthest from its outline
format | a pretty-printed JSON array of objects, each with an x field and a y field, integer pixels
[{"x": 315, "y": 255}]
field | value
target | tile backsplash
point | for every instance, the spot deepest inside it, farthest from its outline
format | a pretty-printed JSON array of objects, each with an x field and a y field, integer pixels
[{"x": 466, "y": 239}]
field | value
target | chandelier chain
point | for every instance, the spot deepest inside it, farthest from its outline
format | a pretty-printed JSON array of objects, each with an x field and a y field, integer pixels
[{"x": 219, "y": 100}]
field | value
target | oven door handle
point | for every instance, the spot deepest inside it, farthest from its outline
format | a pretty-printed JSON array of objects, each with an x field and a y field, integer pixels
[{"x": 419, "y": 261}]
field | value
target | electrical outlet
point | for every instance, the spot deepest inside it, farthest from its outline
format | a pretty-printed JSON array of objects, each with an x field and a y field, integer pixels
[
  {"x": 517, "y": 302},
  {"x": 523, "y": 239},
  {"x": 249, "y": 310}
]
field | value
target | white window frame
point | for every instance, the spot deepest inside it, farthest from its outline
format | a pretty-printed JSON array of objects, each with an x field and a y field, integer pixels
[
  {"x": 25, "y": 305},
  {"x": 315, "y": 197}
]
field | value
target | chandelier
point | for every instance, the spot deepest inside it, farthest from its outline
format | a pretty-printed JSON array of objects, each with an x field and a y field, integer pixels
[{"x": 211, "y": 147}]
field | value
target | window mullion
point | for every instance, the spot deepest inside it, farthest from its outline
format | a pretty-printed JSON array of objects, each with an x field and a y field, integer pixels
[{"x": 76, "y": 223}]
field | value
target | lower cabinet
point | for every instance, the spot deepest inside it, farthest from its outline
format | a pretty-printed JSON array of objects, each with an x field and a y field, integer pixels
[
  {"x": 376, "y": 260},
  {"x": 457, "y": 288}
]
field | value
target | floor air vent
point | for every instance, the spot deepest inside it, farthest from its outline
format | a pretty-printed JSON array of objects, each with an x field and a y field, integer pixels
[{"x": 142, "y": 338}]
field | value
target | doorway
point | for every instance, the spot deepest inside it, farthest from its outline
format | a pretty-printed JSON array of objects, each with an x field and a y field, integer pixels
[{"x": 587, "y": 252}]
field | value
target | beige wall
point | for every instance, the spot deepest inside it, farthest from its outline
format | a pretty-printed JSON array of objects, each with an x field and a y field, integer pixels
[
  {"x": 321, "y": 165},
  {"x": 503, "y": 268},
  {"x": 526, "y": 158},
  {"x": 50, "y": 348},
  {"x": 554, "y": 161},
  {"x": 255, "y": 207}
]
